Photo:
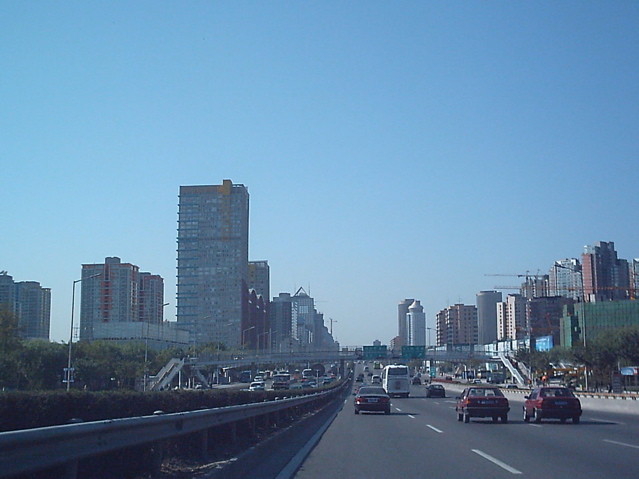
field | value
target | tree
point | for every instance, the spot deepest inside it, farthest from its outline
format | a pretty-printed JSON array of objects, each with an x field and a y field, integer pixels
[
  {"x": 10, "y": 341},
  {"x": 628, "y": 344}
]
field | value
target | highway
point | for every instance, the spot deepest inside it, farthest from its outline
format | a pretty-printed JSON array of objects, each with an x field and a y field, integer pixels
[{"x": 423, "y": 439}]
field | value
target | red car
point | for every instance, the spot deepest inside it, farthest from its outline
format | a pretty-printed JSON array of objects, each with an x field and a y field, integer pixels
[
  {"x": 552, "y": 402},
  {"x": 372, "y": 398},
  {"x": 482, "y": 401}
]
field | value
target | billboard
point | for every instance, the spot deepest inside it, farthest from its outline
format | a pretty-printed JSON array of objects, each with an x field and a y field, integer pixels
[{"x": 544, "y": 343}]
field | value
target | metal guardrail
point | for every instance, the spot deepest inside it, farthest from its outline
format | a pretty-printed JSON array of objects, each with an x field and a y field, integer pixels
[{"x": 31, "y": 450}]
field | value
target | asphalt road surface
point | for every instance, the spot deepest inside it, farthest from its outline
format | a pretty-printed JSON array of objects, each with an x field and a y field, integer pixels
[{"x": 423, "y": 439}]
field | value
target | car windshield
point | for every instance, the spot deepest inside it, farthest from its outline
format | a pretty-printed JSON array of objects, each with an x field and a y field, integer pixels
[
  {"x": 436, "y": 386},
  {"x": 370, "y": 390}
]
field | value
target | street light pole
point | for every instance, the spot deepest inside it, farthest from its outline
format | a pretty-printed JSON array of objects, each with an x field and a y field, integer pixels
[
  {"x": 247, "y": 329},
  {"x": 69, "y": 371}
]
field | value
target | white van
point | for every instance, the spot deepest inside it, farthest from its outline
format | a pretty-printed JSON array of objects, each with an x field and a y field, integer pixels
[{"x": 396, "y": 380}]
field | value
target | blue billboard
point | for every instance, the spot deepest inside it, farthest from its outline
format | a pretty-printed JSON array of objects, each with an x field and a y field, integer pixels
[{"x": 544, "y": 343}]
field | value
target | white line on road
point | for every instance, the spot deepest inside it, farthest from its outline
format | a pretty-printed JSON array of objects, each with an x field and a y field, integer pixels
[
  {"x": 411, "y": 416},
  {"x": 398, "y": 409},
  {"x": 621, "y": 443},
  {"x": 606, "y": 421},
  {"x": 434, "y": 428},
  {"x": 503, "y": 465}
]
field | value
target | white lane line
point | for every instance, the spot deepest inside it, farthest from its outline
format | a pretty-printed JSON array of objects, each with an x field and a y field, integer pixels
[
  {"x": 621, "y": 443},
  {"x": 615, "y": 423},
  {"x": 411, "y": 416},
  {"x": 535, "y": 425},
  {"x": 434, "y": 428},
  {"x": 503, "y": 465},
  {"x": 398, "y": 409}
]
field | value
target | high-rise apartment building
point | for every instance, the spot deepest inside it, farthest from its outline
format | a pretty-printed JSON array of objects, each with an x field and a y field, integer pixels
[
  {"x": 511, "y": 318},
  {"x": 565, "y": 279},
  {"x": 117, "y": 299},
  {"x": 457, "y": 325},
  {"x": 605, "y": 277},
  {"x": 30, "y": 302},
  {"x": 151, "y": 298},
  {"x": 212, "y": 262},
  {"x": 487, "y": 316}
]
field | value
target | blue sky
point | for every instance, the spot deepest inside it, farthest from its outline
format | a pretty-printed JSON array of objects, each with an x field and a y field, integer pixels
[{"x": 391, "y": 149}]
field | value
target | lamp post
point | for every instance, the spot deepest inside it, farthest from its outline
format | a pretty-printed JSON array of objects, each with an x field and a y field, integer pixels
[
  {"x": 247, "y": 329},
  {"x": 429, "y": 330},
  {"x": 69, "y": 370}
]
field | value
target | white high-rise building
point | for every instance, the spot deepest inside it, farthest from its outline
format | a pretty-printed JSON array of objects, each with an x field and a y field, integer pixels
[
  {"x": 416, "y": 321},
  {"x": 402, "y": 323}
]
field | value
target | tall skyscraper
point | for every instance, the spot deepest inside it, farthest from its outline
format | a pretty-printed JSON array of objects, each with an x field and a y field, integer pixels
[
  {"x": 487, "y": 316},
  {"x": 605, "y": 277},
  {"x": 212, "y": 262},
  {"x": 416, "y": 319},
  {"x": 30, "y": 302},
  {"x": 303, "y": 318},
  {"x": 402, "y": 322}
]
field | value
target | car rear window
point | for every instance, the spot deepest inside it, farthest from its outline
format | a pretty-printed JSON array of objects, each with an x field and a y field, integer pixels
[
  {"x": 485, "y": 392},
  {"x": 398, "y": 371},
  {"x": 372, "y": 391},
  {"x": 556, "y": 392}
]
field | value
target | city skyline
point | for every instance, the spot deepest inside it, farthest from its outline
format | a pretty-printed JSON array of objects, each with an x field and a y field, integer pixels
[{"x": 390, "y": 152}]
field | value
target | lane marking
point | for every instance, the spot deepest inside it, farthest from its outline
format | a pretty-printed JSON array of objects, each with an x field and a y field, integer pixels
[
  {"x": 621, "y": 443},
  {"x": 615, "y": 423},
  {"x": 435, "y": 429},
  {"x": 398, "y": 409},
  {"x": 411, "y": 416},
  {"x": 535, "y": 425},
  {"x": 503, "y": 465}
]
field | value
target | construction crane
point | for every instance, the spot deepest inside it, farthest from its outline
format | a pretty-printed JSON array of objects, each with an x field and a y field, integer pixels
[
  {"x": 332, "y": 321},
  {"x": 527, "y": 275}
]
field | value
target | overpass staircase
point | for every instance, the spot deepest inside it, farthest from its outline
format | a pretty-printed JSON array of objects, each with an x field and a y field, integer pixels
[
  {"x": 510, "y": 366},
  {"x": 166, "y": 374}
]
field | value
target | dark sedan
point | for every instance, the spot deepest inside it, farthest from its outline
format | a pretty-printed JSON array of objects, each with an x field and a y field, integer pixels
[
  {"x": 372, "y": 398},
  {"x": 482, "y": 401},
  {"x": 435, "y": 391},
  {"x": 552, "y": 402}
]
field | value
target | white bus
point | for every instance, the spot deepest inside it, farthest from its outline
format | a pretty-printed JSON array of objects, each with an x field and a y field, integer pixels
[{"x": 396, "y": 380}]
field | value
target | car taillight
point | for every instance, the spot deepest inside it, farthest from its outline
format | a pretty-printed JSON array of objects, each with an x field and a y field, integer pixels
[{"x": 384, "y": 399}]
